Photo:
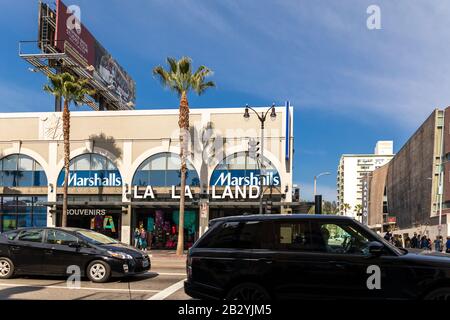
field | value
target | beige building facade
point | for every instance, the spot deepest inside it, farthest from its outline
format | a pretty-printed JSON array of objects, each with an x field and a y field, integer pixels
[{"x": 125, "y": 169}]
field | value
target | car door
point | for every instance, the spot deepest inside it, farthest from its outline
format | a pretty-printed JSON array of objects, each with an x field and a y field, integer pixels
[
  {"x": 295, "y": 273},
  {"x": 60, "y": 255},
  {"x": 27, "y": 251},
  {"x": 347, "y": 268}
]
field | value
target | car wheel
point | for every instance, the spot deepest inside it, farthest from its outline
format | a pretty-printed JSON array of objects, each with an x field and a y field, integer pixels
[
  {"x": 98, "y": 271},
  {"x": 6, "y": 268},
  {"x": 442, "y": 294},
  {"x": 248, "y": 292}
]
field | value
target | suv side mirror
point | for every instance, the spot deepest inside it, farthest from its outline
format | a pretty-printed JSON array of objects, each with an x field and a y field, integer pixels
[{"x": 376, "y": 248}]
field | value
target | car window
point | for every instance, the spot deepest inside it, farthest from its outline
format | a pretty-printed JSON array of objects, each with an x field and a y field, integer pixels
[
  {"x": 11, "y": 235},
  {"x": 31, "y": 236},
  {"x": 339, "y": 238},
  {"x": 292, "y": 236},
  {"x": 240, "y": 235},
  {"x": 60, "y": 238}
]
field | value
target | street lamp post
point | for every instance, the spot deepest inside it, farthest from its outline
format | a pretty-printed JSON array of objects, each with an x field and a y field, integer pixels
[
  {"x": 262, "y": 118},
  {"x": 315, "y": 180}
]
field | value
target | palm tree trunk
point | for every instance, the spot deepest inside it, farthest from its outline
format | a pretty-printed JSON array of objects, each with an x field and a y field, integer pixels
[
  {"x": 66, "y": 130},
  {"x": 184, "y": 127}
]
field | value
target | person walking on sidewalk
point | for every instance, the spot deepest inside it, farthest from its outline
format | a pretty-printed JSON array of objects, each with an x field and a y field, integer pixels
[
  {"x": 136, "y": 237},
  {"x": 438, "y": 244},
  {"x": 447, "y": 245},
  {"x": 143, "y": 238}
]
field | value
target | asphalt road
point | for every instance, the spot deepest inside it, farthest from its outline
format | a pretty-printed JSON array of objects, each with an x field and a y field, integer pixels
[{"x": 163, "y": 282}]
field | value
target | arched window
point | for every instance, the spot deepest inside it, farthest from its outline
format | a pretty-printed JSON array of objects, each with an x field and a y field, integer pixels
[
  {"x": 163, "y": 170},
  {"x": 241, "y": 169},
  {"x": 92, "y": 170},
  {"x": 19, "y": 170}
]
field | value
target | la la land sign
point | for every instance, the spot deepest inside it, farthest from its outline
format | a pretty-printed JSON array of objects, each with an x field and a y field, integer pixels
[{"x": 228, "y": 192}]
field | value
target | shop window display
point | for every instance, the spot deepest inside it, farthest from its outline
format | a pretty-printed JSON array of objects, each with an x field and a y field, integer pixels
[
  {"x": 162, "y": 228},
  {"x": 22, "y": 212}
]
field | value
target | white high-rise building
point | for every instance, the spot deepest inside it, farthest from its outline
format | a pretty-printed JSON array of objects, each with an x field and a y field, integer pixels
[{"x": 353, "y": 170}]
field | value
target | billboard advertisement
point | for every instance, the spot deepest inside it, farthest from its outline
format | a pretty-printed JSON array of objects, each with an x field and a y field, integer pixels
[{"x": 73, "y": 38}]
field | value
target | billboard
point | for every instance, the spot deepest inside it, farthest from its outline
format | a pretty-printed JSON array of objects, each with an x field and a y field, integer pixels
[{"x": 73, "y": 38}]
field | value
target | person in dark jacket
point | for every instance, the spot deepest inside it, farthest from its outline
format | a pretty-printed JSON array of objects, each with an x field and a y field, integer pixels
[{"x": 414, "y": 241}]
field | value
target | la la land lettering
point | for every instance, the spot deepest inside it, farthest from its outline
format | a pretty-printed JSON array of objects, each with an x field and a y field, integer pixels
[{"x": 229, "y": 192}]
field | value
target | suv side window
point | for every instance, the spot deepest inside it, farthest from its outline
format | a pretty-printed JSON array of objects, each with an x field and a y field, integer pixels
[
  {"x": 339, "y": 238},
  {"x": 11, "y": 235},
  {"x": 292, "y": 235},
  {"x": 31, "y": 235},
  {"x": 240, "y": 235},
  {"x": 60, "y": 238}
]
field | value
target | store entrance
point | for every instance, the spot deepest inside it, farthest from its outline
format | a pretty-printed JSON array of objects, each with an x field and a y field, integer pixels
[
  {"x": 161, "y": 228},
  {"x": 104, "y": 221}
]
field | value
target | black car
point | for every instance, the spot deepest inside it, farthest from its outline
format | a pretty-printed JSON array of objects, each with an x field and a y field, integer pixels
[
  {"x": 59, "y": 251},
  {"x": 308, "y": 256}
]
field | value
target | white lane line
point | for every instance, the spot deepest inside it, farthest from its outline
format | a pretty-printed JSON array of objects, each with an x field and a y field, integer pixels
[
  {"x": 168, "y": 291},
  {"x": 81, "y": 288},
  {"x": 168, "y": 274}
]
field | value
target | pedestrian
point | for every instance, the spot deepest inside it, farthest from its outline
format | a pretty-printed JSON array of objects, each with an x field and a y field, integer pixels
[
  {"x": 437, "y": 244},
  {"x": 388, "y": 236},
  {"x": 407, "y": 241},
  {"x": 447, "y": 245},
  {"x": 424, "y": 243},
  {"x": 414, "y": 242},
  {"x": 143, "y": 238},
  {"x": 136, "y": 237}
]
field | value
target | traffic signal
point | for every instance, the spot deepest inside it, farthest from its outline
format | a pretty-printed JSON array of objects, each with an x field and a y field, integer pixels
[{"x": 253, "y": 148}]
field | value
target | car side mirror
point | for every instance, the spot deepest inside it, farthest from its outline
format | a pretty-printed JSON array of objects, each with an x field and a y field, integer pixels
[{"x": 376, "y": 248}]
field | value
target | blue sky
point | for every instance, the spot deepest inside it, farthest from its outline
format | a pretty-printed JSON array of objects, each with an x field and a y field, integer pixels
[{"x": 350, "y": 86}]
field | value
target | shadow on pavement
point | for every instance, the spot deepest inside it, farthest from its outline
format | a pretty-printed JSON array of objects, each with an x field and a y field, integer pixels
[{"x": 9, "y": 292}]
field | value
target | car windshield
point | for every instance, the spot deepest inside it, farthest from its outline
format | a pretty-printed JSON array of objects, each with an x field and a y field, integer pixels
[
  {"x": 95, "y": 237},
  {"x": 383, "y": 241}
]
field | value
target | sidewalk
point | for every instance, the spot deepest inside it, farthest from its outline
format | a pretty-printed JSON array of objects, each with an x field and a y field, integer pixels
[{"x": 166, "y": 254}]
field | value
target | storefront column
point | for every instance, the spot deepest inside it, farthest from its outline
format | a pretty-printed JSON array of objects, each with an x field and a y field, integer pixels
[
  {"x": 126, "y": 225},
  {"x": 52, "y": 177},
  {"x": 204, "y": 216}
]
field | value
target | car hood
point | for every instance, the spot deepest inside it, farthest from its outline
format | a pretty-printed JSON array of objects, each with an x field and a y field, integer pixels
[
  {"x": 121, "y": 247},
  {"x": 429, "y": 257}
]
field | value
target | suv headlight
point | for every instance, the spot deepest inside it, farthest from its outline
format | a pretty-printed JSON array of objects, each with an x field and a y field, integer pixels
[{"x": 120, "y": 255}]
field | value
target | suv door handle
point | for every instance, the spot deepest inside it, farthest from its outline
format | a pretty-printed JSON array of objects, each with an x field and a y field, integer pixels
[
  {"x": 265, "y": 260},
  {"x": 48, "y": 251},
  {"x": 339, "y": 264},
  {"x": 15, "y": 248}
]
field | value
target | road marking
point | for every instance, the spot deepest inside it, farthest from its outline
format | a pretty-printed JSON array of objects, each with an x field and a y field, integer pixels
[
  {"x": 168, "y": 291},
  {"x": 81, "y": 288}
]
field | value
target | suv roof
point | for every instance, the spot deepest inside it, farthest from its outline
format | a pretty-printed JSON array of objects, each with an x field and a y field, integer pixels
[{"x": 280, "y": 217}]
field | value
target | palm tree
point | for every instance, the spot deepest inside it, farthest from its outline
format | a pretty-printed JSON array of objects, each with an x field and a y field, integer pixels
[
  {"x": 358, "y": 209},
  {"x": 72, "y": 89},
  {"x": 346, "y": 207},
  {"x": 180, "y": 79}
]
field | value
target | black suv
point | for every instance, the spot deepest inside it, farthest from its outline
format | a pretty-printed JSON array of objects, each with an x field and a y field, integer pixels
[{"x": 308, "y": 256}]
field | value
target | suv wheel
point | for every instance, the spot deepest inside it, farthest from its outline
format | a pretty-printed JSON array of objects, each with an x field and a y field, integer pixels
[
  {"x": 98, "y": 271},
  {"x": 6, "y": 268},
  {"x": 248, "y": 292},
  {"x": 442, "y": 294}
]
